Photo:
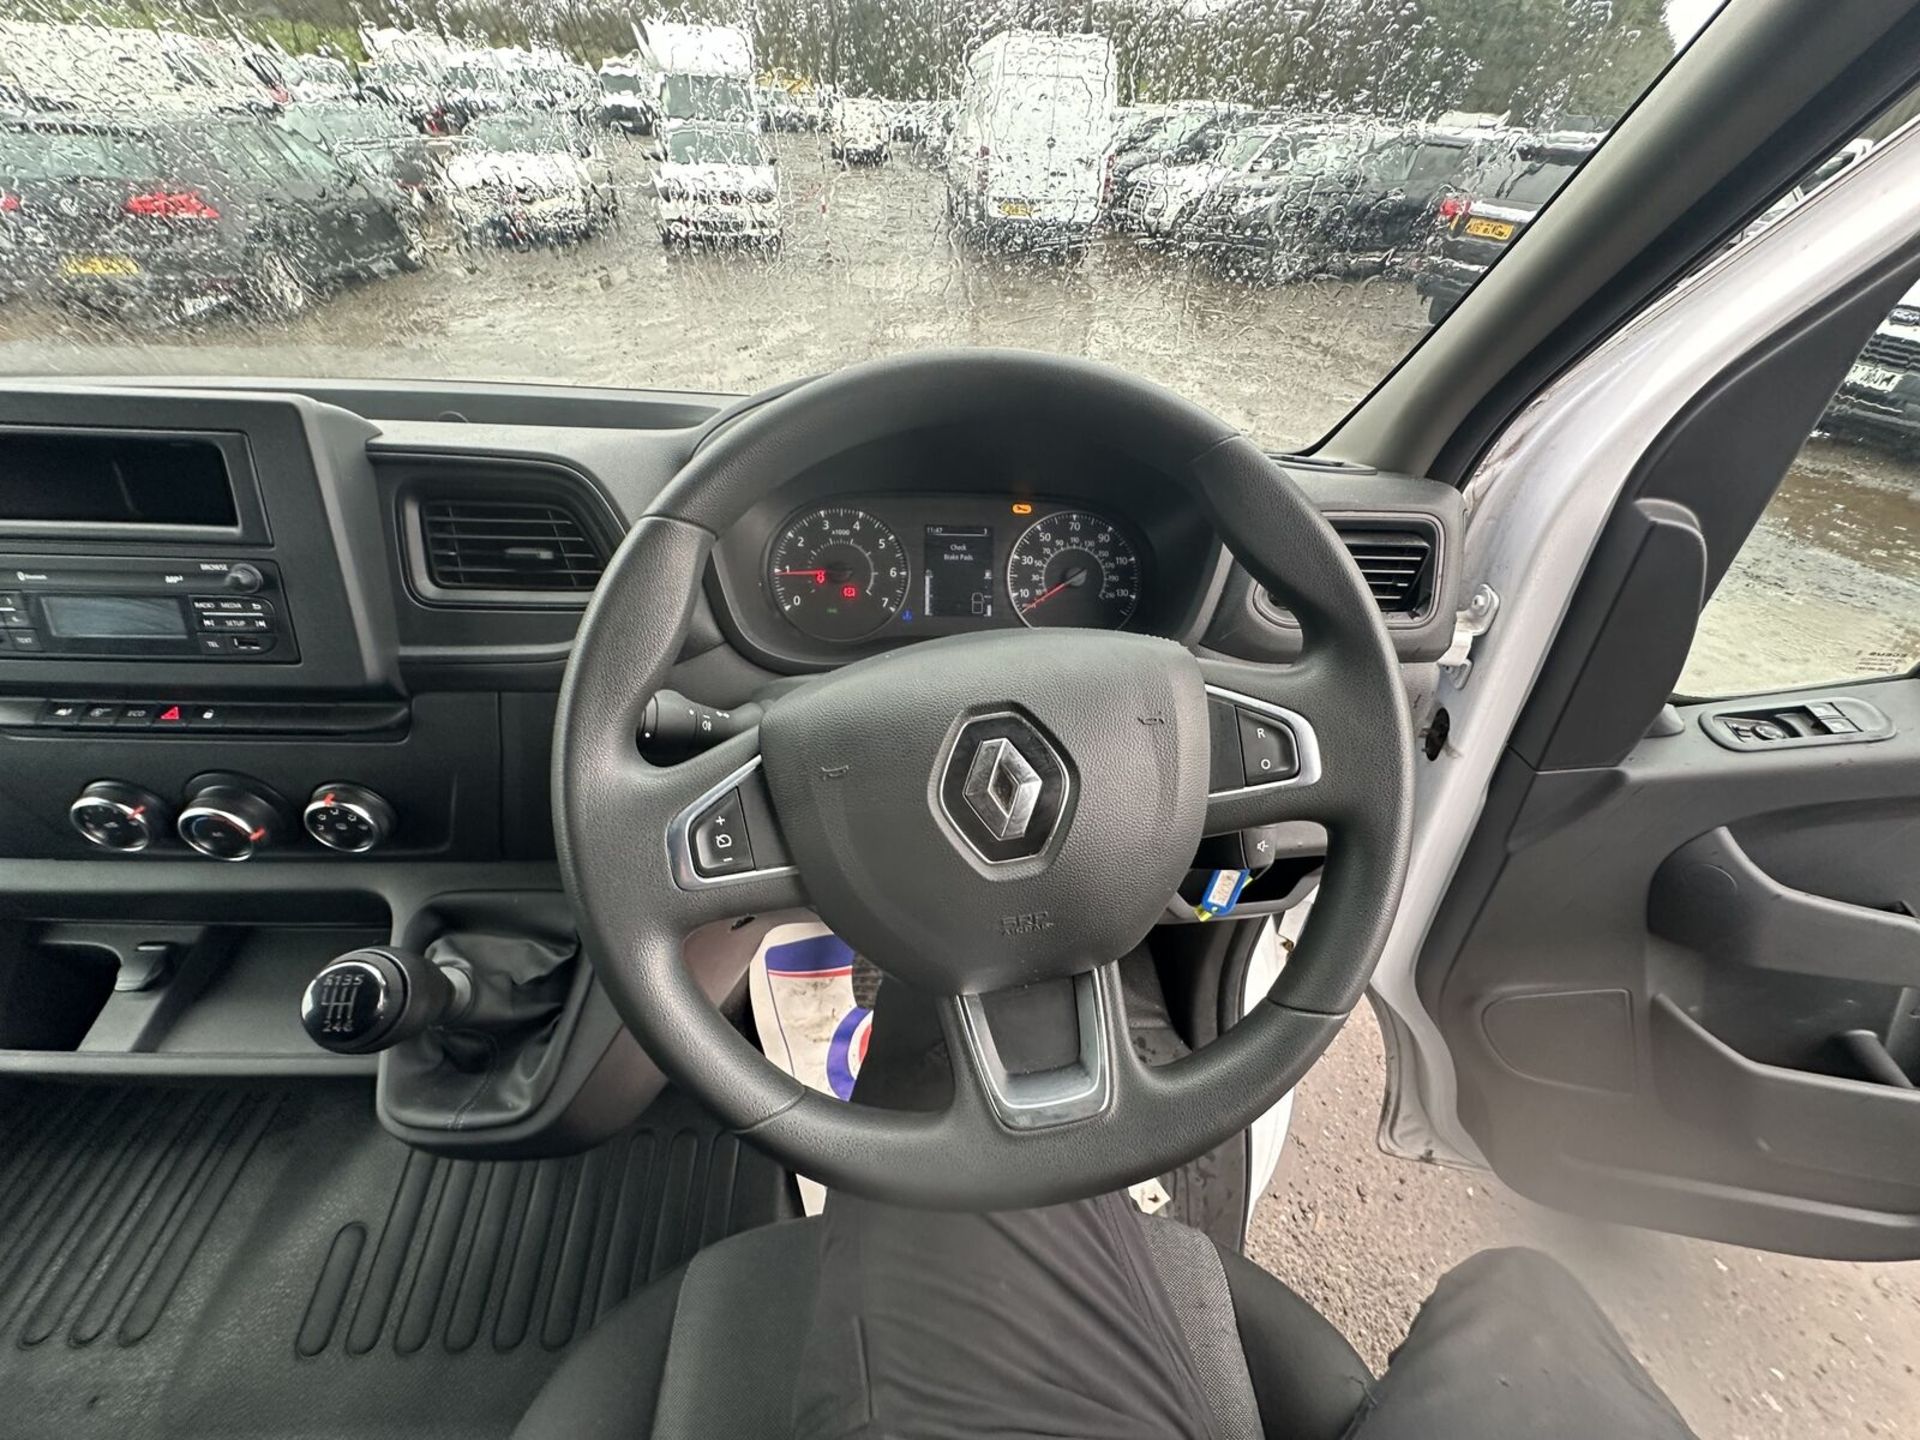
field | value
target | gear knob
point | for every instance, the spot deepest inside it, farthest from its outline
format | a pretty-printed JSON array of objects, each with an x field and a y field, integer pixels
[{"x": 377, "y": 996}]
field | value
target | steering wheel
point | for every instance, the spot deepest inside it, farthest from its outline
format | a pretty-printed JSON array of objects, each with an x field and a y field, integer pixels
[{"x": 993, "y": 818}]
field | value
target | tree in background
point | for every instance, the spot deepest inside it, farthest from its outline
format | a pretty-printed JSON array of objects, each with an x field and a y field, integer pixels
[{"x": 1539, "y": 60}]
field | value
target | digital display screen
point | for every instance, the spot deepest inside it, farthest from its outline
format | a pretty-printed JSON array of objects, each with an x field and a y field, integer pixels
[
  {"x": 113, "y": 617},
  {"x": 959, "y": 571}
]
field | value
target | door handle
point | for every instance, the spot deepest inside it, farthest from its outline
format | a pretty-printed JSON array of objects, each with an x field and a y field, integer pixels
[{"x": 1710, "y": 897}]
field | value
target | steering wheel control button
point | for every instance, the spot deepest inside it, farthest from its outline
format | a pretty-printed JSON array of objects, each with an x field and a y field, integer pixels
[
  {"x": 349, "y": 818},
  {"x": 1223, "y": 734},
  {"x": 1004, "y": 787},
  {"x": 118, "y": 816},
  {"x": 721, "y": 845},
  {"x": 1267, "y": 751},
  {"x": 227, "y": 819}
]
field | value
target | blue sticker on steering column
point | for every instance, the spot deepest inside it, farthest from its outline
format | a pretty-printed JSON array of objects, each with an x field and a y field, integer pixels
[{"x": 1222, "y": 893}]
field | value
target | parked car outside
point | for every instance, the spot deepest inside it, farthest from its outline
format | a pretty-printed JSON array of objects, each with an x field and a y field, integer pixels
[
  {"x": 519, "y": 178},
  {"x": 1481, "y": 224},
  {"x": 374, "y": 142},
  {"x": 1033, "y": 128},
  {"x": 187, "y": 216},
  {"x": 717, "y": 182},
  {"x": 1352, "y": 202},
  {"x": 862, "y": 131},
  {"x": 1167, "y": 195},
  {"x": 1879, "y": 401},
  {"x": 1185, "y": 135},
  {"x": 629, "y": 98}
]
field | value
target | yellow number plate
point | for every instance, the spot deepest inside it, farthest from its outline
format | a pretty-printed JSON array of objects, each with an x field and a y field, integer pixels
[
  {"x": 1490, "y": 229},
  {"x": 98, "y": 265},
  {"x": 1020, "y": 209}
]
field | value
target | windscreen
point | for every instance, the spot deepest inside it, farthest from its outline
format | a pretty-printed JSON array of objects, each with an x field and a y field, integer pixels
[{"x": 1120, "y": 181}]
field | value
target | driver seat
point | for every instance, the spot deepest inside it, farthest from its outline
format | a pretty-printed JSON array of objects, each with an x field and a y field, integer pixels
[{"x": 714, "y": 1348}]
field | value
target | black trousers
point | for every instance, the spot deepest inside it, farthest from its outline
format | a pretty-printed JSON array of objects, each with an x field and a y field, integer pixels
[{"x": 1053, "y": 1322}]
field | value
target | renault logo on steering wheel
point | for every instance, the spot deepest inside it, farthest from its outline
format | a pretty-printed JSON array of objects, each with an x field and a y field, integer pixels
[
  {"x": 1001, "y": 788},
  {"x": 1004, "y": 787}
]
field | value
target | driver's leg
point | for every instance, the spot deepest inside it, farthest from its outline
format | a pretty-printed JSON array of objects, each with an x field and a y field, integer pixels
[
  {"x": 1512, "y": 1347},
  {"x": 1028, "y": 1322}
]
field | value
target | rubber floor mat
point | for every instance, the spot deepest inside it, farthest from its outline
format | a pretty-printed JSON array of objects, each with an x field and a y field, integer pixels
[{"x": 226, "y": 1261}]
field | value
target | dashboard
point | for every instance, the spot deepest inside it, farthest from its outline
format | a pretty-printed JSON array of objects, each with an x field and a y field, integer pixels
[
  {"x": 321, "y": 627},
  {"x": 280, "y": 663}
]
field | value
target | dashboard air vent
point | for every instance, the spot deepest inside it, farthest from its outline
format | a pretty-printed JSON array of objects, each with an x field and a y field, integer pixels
[
  {"x": 1397, "y": 561},
  {"x": 1397, "y": 565},
  {"x": 505, "y": 543}
]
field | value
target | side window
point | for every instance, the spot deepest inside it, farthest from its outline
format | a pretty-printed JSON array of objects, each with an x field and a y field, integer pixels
[{"x": 1827, "y": 587}]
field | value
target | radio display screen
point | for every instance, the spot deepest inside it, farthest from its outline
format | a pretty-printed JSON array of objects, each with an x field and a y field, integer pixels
[{"x": 114, "y": 617}]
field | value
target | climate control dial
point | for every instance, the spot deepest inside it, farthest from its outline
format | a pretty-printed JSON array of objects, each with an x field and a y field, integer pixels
[
  {"x": 227, "y": 818},
  {"x": 348, "y": 818},
  {"x": 117, "y": 816}
]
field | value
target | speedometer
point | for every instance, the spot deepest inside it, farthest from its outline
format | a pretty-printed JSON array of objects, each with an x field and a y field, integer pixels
[
  {"x": 1074, "y": 568},
  {"x": 837, "y": 573}
]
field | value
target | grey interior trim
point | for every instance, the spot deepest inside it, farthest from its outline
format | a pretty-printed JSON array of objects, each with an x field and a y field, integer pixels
[
  {"x": 1539, "y": 503},
  {"x": 1060, "y": 1096}
]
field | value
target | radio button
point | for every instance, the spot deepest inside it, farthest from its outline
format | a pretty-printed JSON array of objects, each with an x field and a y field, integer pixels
[
  {"x": 214, "y": 645},
  {"x": 24, "y": 640},
  {"x": 250, "y": 644},
  {"x": 16, "y": 619}
]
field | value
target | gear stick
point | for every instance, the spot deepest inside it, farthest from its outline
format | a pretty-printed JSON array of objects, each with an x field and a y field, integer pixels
[{"x": 375, "y": 997}]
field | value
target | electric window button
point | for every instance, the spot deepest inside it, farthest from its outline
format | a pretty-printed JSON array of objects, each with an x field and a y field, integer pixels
[
  {"x": 136, "y": 717},
  {"x": 720, "y": 842},
  {"x": 1266, "y": 750},
  {"x": 95, "y": 715},
  {"x": 61, "y": 712}
]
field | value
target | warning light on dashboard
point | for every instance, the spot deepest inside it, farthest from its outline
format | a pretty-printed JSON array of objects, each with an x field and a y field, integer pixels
[
  {"x": 849, "y": 592},
  {"x": 1020, "y": 507}
]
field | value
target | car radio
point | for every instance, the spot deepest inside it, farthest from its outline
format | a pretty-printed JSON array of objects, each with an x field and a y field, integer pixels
[{"x": 95, "y": 607}]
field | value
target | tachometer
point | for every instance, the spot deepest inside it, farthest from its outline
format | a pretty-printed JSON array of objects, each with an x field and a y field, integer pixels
[
  {"x": 1074, "y": 568},
  {"x": 837, "y": 573}
]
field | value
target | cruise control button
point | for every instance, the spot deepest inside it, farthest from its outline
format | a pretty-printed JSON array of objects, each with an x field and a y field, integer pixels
[
  {"x": 720, "y": 842},
  {"x": 1266, "y": 749}
]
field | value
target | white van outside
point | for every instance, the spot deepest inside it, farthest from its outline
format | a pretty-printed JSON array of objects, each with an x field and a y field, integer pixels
[{"x": 1031, "y": 134}]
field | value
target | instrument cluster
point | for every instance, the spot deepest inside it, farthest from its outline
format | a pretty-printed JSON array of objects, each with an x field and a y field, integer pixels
[{"x": 841, "y": 573}]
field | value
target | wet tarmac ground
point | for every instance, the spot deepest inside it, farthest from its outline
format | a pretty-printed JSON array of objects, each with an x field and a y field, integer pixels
[{"x": 1750, "y": 1345}]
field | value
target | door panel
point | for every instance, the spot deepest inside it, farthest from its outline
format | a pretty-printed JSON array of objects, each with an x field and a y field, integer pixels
[
  {"x": 1678, "y": 972},
  {"x": 1647, "y": 1017}
]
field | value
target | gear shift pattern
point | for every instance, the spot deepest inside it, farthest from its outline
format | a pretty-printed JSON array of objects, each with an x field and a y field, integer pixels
[{"x": 375, "y": 997}]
